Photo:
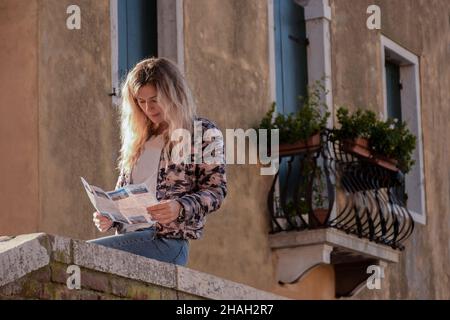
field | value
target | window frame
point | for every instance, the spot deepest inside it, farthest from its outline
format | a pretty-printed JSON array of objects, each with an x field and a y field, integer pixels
[
  {"x": 409, "y": 65},
  {"x": 170, "y": 17},
  {"x": 318, "y": 56}
]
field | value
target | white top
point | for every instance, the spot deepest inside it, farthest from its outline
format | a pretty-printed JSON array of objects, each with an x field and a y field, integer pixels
[
  {"x": 146, "y": 168},
  {"x": 146, "y": 171}
]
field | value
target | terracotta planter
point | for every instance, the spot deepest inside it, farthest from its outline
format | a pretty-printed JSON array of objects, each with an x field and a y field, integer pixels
[
  {"x": 388, "y": 163},
  {"x": 321, "y": 216},
  {"x": 310, "y": 144},
  {"x": 358, "y": 146}
]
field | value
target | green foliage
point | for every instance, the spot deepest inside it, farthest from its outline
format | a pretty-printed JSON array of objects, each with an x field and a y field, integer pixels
[
  {"x": 310, "y": 173},
  {"x": 356, "y": 125},
  {"x": 319, "y": 196},
  {"x": 310, "y": 119},
  {"x": 389, "y": 138},
  {"x": 393, "y": 139}
]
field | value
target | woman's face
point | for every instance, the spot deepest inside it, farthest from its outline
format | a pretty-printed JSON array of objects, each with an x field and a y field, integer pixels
[{"x": 147, "y": 101}]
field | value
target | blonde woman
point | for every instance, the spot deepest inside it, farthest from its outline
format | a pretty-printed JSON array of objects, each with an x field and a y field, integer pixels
[{"x": 156, "y": 100}]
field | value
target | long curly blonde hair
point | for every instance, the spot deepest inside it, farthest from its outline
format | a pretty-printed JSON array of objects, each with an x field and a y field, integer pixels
[{"x": 174, "y": 97}]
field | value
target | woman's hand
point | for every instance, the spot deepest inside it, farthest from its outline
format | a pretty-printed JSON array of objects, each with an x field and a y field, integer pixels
[
  {"x": 165, "y": 212},
  {"x": 101, "y": 222}
]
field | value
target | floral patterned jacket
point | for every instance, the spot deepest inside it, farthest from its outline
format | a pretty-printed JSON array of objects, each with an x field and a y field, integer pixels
[{"x": 199, "y": 188}]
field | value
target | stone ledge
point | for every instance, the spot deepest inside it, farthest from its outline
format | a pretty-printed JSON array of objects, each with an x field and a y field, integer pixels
[
  {"x": 123, "y": 264},
  {"x": 336, "y": 239},
  {"x": 212, "y": 287},
  {"x": 21, "y": 255}
]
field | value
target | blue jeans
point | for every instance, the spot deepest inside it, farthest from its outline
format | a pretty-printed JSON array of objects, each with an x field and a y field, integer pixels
[{"x": 144, "y": 243}]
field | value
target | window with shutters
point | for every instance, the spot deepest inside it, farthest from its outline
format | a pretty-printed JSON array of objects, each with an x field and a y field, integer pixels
[
  {"x": 401, "y": 83},
  {"x": 290, "y": 71},
  {"x": 141, "y": 29},
  {"x": 137, "y": 32},
  {"x": 290, "y": 54}
]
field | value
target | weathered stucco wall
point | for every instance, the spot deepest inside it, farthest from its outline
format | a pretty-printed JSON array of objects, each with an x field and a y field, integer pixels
[
  {"x": 57, "y": 119},
  {"x": 78, "y": 135},
  {"x": 226, "y": 57},
  {"x": 18, "y": 117},
  {"x": 422, "y": 27},
  {"x": 63, "y": 125},
  {"x": 226, "y": 65}
]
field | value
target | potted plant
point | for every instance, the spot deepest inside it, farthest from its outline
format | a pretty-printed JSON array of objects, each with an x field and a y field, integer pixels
[
  {"x": 299, "y": 131},
  {"x": 388, "y": 143},
  {"x": 310, "y": 201},
  {"x": 320, "y": 199},
  {"x": 313, "y": 200},
  {"x": 393, "y": 145},
  {"x": 354, "y": 131}
]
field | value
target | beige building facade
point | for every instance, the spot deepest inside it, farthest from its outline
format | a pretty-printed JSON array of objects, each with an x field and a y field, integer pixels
[{"x": 59, "y": 121}]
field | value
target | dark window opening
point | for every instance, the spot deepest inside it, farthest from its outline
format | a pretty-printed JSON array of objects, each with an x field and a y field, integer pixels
[{"x": 137, "y": 33}]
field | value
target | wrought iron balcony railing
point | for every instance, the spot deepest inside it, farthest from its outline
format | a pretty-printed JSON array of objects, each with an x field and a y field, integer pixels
[{"x": 326, "y": 186}]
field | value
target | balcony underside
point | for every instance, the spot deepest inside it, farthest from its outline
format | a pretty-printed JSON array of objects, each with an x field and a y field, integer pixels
[{"x": 299, "y": 252}]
